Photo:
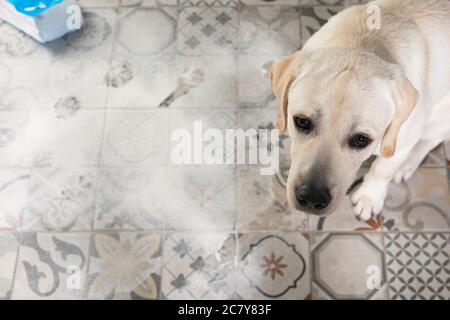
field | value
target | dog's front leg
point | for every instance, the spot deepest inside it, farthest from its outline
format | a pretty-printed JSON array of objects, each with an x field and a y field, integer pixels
[{"x": 368, "y": 199}]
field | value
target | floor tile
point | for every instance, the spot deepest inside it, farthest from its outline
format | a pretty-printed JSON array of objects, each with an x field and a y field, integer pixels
[
  {"x": 206, "y": 128},
  {"x": 255, "y": 90},
  {"x": 219, "y": 80},
  {"x": 269, "y": 30},
  {"x": 313, "y": 18},
  {"x": 60, "y": 199},
  {"x": 13, "y": 192},
  {"x": 261, "y": 199},
  {"x": 328, "y": 2},
  {"x": 271, "y": 2},
  {"x": 95, "y": 37},
  {"x": 265, "y": 119},
  {"x": 125, "y": 266},
  {"x": 8, "y": 255},
  {"x": 207, "y": 31},
  {"x": 62, "y": 76},
  {"x": 262, "y": 203},
  {"x": 273, "y": 266},
  {"x": 435, "y": 159},
  {"x": 131, "y": 198},
  {"x": 42, "y": 138},
  {"x": 158, "y": 26},
  {"x": 420, "y": 204},
  {"x": 418, "y": 265},
  {"x": 51, "y": 266},
  {"x": 447, "y": 152},
  {"x": 15, "y": 44},
  {"x": 198, "y": 266},
  {"x": 20, "y": 88},
  {"x": 218, "y": 3},
  {"x": 98, "y": 3},
  {"x": 140, "y": 82},
  {"x": 348, "y": 266},
  {"x": 75, "y": 79},
  {"x": 205, "y": 198},
  {"x": 153, "y": 3},
  {"x": 142, "y": 71},
  {"x": 136, "y": 138}
]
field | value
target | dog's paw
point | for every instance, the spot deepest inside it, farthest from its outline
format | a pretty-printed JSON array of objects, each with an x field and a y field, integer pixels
[{"x": 368, "y": 200}]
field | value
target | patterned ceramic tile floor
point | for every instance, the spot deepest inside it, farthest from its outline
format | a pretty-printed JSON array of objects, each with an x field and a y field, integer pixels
[{"x": 91, "y": 207}]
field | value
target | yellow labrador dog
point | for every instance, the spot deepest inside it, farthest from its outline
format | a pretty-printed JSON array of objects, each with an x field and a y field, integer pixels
[{"x": 356, "y": 90}]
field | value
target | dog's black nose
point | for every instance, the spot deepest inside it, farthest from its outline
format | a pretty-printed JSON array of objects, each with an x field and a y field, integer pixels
[{"x": 312, "y": 199}]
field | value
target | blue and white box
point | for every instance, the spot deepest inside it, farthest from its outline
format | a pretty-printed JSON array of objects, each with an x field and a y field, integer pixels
[{"x": 44, "y": 20}]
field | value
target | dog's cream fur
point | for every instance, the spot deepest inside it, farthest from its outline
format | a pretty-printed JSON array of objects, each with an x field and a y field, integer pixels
[{"x": 391, "y": 83}]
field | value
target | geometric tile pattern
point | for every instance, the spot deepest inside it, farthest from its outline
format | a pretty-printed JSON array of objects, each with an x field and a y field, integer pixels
[
  {"x": 198, "y": 266},
  {"x": 207, "y": 31},
  {"x": 418, "y": 265}
]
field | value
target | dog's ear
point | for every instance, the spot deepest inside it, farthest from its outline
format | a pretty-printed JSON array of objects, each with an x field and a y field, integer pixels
[
  {"x": 406, "y": 97},
  {"x": 281, "y": 75}
]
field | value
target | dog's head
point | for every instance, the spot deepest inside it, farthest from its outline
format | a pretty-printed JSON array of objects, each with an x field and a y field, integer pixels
[{"x": 340, "y": 107}]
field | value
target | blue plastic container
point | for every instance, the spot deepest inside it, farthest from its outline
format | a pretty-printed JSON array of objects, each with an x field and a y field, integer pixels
[{"x": 33, "y": 7}]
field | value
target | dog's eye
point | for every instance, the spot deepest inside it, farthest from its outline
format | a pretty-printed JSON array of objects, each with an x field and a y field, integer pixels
[
  {"x": 359, "y": 141},
  {"x": 303, "y": 124}
]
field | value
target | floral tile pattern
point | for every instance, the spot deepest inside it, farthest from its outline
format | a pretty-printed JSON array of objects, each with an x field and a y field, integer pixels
[
  {"x": 420, "y": 204},
  {"x": 94, "y": 203},
  {"x": 198, "y": 266},
  {"x": 273, "y": 266},
  {"x": 60, "y": 199},
  {"x": 8, "y": 254},
  {"x": 348, "y": 266},
  {"x": 125, "y": 266},
  {"x": 418, "y": 265},
  {"x": 51, "y": 266}
]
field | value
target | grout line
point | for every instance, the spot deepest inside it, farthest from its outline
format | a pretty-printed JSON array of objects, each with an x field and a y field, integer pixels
[
  {"x": 16, "y": 266},
  {"x": 105, "y": 118},
  {"x": 88, "y": 264}
]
